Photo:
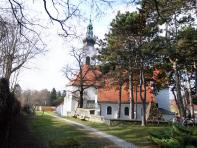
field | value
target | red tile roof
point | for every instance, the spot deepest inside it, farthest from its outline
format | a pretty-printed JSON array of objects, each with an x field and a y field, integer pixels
[
  {"x": 90, "y": 76},
  {"x": 111, "y": 95},
  {"x": 108, "y": 92}
]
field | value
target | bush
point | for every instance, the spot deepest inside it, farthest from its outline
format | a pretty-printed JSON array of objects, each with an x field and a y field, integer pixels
[
  {"x": 168, "y": 143},
  {"x": 177, "y": 137},
  {"x": 160, "y": 134}
]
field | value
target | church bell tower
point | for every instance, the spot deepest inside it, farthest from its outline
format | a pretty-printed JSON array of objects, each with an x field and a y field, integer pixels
[{"x": 89, "y": 42}]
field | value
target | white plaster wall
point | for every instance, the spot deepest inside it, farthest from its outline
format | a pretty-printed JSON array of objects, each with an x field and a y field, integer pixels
[
  {"x": 74, "y": 105},
  {"x": 122, "y": 115},
  {"x": 90, "y": 93},
  {"x": 59, "y": 109},
  {"x": 103, "y": 109},
  {"x": 90, "y": 51},
  {"x": 114, "y": 115},
  {"x": 163, "y": 99},
  {"x": 68, "y": 106},
  {"x": 67, "y": 102}
]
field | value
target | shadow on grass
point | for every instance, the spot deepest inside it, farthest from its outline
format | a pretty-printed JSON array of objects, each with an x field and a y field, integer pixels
[
  {"x": 57, "y": 134},
  {"x": 130, "y": 132}
]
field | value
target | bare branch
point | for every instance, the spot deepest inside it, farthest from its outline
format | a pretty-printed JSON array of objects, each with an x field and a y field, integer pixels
[{"x": 16, "y": 49}]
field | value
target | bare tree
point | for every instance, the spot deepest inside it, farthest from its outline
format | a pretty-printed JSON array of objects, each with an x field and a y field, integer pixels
[
  {"x": 16, "y": 50},
  {"x": 82, "y": 76},
  {"x": 35, "y": 97},
  {"x": 62, "y": 11},
  {"x": 59, "y": 11}
]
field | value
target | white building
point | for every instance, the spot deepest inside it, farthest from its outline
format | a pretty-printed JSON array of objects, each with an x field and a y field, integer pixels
[{"x": 104, "y": 100}]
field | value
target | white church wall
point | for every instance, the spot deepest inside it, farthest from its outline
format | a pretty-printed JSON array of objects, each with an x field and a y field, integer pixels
[
  {"x": 163, "y": 99},
  {"x": 90, "y": 93},
  {"x": 74, "y": 105},
  {"x": 90, "y": 96},
  {"x": 114, "y": 115},
  {"x": 59, "y": 109},
  {"x": 90, "y": 51},
  {"x": 67, "y": 106},
  {"x": 67, "y": 103}
]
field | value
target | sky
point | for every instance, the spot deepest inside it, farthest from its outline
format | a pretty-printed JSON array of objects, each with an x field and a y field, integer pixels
[{"x": 45, "y": 71}]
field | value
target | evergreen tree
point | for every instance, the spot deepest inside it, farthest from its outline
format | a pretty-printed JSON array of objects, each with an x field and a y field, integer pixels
[
  {"x": 173, "y": 46},
  {"x": 128, "y": 40},
  {"x": 53, "y": 96}
]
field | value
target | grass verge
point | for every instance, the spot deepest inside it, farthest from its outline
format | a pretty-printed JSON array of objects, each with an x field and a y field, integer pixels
[
  {"x": 132, "y": 133},
  {"x": 54, "y": 133}
]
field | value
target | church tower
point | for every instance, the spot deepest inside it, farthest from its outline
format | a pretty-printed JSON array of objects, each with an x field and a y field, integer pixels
[{"x": 89, "y": 42}]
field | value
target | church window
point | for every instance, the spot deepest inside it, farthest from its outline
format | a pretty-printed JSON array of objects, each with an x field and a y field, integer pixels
[
  {"x": 109, "y": 110},
  {"x": 126, "y": 111}
]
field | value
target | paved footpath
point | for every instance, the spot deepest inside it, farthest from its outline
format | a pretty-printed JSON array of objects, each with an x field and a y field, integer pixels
[{"x": 120, "y": 143}]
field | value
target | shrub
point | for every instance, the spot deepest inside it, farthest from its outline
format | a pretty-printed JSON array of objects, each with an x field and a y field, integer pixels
[
  {"x": 177, "y": 137},
  {"x": 164, "y": 142}
]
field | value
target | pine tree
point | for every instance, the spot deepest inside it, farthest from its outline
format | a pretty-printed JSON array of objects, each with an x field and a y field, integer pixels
[{"x": 53, "y": 96}]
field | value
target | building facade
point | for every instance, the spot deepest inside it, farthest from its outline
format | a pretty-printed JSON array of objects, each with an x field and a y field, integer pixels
[{"x": 104, "y": 100}]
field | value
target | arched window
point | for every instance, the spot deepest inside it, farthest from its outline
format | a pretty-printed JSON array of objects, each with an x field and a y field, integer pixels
[
  {"x": 126, "y": 111},
  {"x": 109, "y": 110}
]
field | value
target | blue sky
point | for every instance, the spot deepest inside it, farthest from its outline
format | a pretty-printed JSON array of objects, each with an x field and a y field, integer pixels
[{"x": 45, "y": 71}]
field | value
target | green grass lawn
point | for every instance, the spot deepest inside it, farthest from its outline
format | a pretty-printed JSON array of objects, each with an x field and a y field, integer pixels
[
  {"x": 131, "y": 133},
  {"x": 49, "y": 129},
  {"x": 54, "y": 133}
]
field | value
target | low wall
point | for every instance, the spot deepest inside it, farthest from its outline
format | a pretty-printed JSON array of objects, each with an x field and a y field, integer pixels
[
  {"x": 45, "y": 108},
  {"x": 135, "y": 122},
  {"x": 98, "y": 119},
  {"x": 84, "y": 112},
  {"x": 89, "y": 115}
]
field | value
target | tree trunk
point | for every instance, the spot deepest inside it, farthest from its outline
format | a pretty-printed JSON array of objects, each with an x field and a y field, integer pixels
[
  {"x": 81, "y": 86},
  {"x": 143, "y": 98},
  {"x": 175, "y": 98},
  {"x": 81, "y": 98},
  {"x": 131, "y": 95},
  {"x": 178, "y": 90},
  {"x": 119, "y": 100},
  {"x": 8, "y": 68},
  {"x": 144, "y": 101},
  {"x": 136, "y": 100},
  {"x": 195, "y": 72},
  {"x": 196, "y": 7},
  {"x": 190, "y": 96},
  {"x": 143, "y": 113}
]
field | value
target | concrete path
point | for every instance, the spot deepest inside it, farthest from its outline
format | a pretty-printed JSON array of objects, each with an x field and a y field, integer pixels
[{"x": 120, "y": 143}]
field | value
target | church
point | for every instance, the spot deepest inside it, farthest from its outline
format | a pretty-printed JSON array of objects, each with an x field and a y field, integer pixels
[{"x": 100, "y": 97}]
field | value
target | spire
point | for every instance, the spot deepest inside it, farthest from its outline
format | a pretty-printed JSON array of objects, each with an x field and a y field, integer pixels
[
  {"x": 89, "y": 40},
  {"x": 89, "y": 33}
]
